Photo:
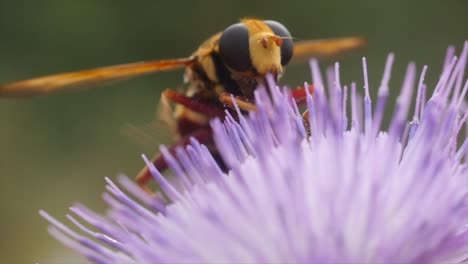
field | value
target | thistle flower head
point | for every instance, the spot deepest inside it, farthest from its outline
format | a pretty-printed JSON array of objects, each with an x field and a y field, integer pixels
[{"x": 333, "y": 188}]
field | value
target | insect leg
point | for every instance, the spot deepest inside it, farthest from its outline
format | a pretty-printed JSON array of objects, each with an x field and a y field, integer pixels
[
  {"x": 299, "y": 94},
  {"x": 227, "y": 99},
  {"x": 208, "y": 110}
]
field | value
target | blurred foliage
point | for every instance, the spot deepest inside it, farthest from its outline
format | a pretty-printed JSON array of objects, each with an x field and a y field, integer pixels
[{"x": 55, "y": 150}]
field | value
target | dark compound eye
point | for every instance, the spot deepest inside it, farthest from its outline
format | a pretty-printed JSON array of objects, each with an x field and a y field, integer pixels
[
  {"x": 234, "y": 47},
  {"x": 287, "y": 47}
]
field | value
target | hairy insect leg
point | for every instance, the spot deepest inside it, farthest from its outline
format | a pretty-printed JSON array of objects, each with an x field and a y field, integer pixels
[
  {"x": 305, "y": 119},
  {"x": 227, "y": 99},
  {"x": 203, "y": 135},
  {"x": 299, "y": 94}
]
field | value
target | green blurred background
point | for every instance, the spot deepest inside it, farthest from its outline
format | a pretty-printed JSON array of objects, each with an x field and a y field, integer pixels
[{"x": 55, "y": 150}]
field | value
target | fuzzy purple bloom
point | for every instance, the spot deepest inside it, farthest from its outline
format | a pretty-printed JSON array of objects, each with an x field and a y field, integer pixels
[{"x": 348, "y": 193}]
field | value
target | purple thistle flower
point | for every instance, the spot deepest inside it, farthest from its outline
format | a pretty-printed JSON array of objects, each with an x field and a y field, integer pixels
[{"x": 348, "y": 193}]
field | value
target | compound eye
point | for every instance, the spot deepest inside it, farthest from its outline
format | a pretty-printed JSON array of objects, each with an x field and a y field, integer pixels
[
  {"x": 234, "y": 47},
  {"x": 287, "y": 46}
]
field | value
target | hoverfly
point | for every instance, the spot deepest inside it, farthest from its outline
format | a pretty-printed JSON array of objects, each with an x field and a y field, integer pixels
[{"x": 232, "y": 62}]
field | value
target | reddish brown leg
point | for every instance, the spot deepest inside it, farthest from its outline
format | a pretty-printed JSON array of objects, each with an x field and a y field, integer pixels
[
  {"x": 208, "y": 110},
  {"x": 203, "y": 135},
  {"x": 300, "y": 95}
]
